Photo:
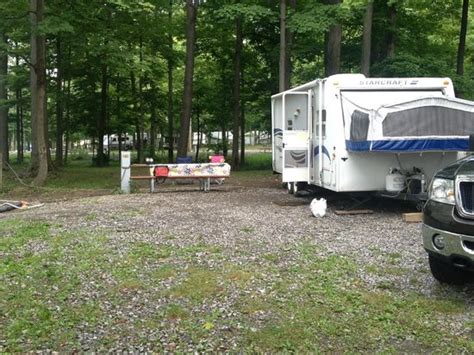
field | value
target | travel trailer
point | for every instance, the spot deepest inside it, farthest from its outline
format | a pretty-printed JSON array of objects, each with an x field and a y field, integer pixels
[
  {"x": 127, "y": 142},
  {"x": 349, "y": 133}
]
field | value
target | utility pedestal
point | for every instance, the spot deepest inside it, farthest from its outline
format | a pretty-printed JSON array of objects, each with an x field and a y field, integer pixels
[{"x": 125, "y": 160}]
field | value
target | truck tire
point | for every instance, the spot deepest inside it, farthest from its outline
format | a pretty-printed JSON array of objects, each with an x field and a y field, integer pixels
[{"x": 446, "y": 273}]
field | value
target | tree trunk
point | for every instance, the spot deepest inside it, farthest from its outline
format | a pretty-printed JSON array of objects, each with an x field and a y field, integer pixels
[
  {"x": 39, "y": 157},
  {"x": 19, "y": 126},
  {"x": 59, "y": 104},
  {"x": 392, "y": 18},
  {"x": 119, "y": 114},
  {"x": 100, "y": 161},
  {"x": 283, "y": 51},
  {"x": 68, "y": 118},
  {"x": 141, "y": 123},
  {"x": 3, "y": 104},
  {"x": 332, "y": 58},
  {"x": 367, "y": 38},
  {"x": 198, "y": 131},
  {"x": 170, "y": 87},
  {"x": 137, "y": 141},
  {"x": 152, "y": 143},
  {"x": 191, "y": 14},
  {"x": 224, "y": 141},
  {"x": 242, "y": 133},
  {"x": 289, "y": 45},
  {"x": 237, "y": 80},
  {"x": 462, "y": 38}
]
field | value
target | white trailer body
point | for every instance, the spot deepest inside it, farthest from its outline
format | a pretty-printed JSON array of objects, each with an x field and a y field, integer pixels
[{"x": 346, "y": 132}]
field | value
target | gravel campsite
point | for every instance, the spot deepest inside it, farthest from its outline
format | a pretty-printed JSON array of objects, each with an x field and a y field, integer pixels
[
  {"x": 237, "y": 269},
  {"x": 237, "y": 177}
]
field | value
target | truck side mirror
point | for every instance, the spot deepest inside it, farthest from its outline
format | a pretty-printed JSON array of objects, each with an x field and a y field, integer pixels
[{"x": 471, "y": 143}]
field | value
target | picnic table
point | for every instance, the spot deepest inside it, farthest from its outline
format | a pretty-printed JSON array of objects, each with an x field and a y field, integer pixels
[{"x": 204, "y": 172}]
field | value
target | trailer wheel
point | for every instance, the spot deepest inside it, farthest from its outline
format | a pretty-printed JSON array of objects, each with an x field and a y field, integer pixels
[
  {"x": 289, "y": 186},
  {"x": 446, "y": 273}
]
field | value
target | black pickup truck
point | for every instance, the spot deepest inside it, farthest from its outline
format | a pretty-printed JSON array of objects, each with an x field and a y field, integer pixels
[{"x": 448, "y": 223}]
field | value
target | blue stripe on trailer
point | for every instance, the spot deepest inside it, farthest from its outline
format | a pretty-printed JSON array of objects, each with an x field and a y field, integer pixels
[
  {"x": 453, "y": 144},
  {"x": 325, "y": 151},
  {"x": 358, "y": 146}
]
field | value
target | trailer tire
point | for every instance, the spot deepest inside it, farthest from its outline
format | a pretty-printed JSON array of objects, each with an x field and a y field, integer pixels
[{"x": 446, "y": 273}]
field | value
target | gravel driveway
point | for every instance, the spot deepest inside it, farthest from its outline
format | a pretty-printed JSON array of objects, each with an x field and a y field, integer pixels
[{"x": 250, "y": 226}]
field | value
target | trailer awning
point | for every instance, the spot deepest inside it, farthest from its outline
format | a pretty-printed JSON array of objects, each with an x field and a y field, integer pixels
[{"x": 423, "y": 124}]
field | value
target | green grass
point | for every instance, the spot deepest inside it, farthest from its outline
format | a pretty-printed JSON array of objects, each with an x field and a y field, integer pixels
[
  {"x": 329, "y": 313},
  {"x": 80, "y": 174},
  {"x": 76, "y": 175},
  {"x": 258, "y": 161},
  {"x": 200, "y": 284},
  {"x": 280, "y": 302}
]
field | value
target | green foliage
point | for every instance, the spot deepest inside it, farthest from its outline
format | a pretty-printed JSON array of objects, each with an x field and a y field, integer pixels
[
  {"x": 128, "y": 41},
  {"x": 405, "y": 65}
]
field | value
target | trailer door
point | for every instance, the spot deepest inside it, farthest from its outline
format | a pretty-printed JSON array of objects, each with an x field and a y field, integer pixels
[{"x": 296, "y": 108}]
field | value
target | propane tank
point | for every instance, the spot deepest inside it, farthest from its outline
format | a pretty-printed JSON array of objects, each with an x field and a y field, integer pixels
[{"x": 395, "y": 181}]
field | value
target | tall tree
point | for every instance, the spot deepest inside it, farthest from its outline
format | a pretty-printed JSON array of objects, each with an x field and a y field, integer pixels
[
  {"x": 191, "y": 15},
  {"x": 332, "y": 58},
  {"x": 286, "y": 41},
  {"x": 283, "y": 82},
  {"x": 19, "y": 119},
  {"x": 59, "y": 103},
  {"x": 462, "y": 38},
  {"x": 391, "y": 32},
  {"x": 237, "y": 98},
  {"x": 170, "y": 84},
  {"x": 289, "y": 46},
  {"x": 102, "y": 118},
  {"x": 39, "y": 154},
  {"x": 367, "y": 38},
  {"x": 3, "y": 100}
]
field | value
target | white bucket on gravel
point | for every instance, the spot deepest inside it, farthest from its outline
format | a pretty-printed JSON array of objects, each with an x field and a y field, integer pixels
[{"x": 318, "y": 207}]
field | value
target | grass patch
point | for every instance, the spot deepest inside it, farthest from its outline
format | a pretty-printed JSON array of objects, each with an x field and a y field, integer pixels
[
  {"x": 258, "y": 161},
  {"x": 198, "y": 248},
  {"x": 329, "y": 312},
  {"x": 39, "y": 296},
  {"x": 164, "y": 272},
  {"x": 238, "y": 276},
  {"x": 91, "y": 217},
  {"x": 200, "y": 284},
  {"x": 271, "y": 257},
  {"x": 386, "y": 270},
  {"x": 147, "y": 251},
  {"x": 176, "y": 311},
  {"x": 254, "y": 304},
  {"x": 56, "y": 287},
  {"x": 247, "y": 229}
]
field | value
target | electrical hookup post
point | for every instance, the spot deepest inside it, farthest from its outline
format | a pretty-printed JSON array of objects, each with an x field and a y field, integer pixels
[{"x": 125, "y": 160}]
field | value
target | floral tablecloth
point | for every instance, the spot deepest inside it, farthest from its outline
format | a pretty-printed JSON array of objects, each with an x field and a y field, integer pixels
[{"x": 206, "y": 169}]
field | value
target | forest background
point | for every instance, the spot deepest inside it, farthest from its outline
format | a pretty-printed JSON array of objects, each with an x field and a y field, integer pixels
[{"x": 84, "y": 69}]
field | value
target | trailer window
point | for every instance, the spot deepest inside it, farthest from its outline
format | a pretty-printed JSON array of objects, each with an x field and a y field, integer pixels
[
  {"x": 316, "y": 124},
  {"x": 359, "y": 105}
]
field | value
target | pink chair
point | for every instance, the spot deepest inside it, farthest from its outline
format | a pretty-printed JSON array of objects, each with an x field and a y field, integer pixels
[{"x": 217, "y": 158}]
